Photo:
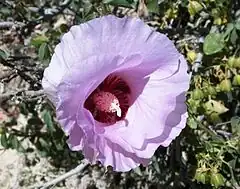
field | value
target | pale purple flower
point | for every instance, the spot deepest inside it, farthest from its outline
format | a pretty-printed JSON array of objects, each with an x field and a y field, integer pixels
[{"x": 119, "y": 90}]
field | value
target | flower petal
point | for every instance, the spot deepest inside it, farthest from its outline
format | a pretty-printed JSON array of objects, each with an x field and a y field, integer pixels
[
  {"x": 76, "y": 137},
  {"x": 118, "y": 36},
  {"x": 113, "y": 155},
  {"x": 158, "y": 113}
]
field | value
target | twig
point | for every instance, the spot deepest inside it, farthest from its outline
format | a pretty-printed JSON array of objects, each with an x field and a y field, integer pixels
[
  {"x": 16, "y": 58},
  {"x": 6, "y": 25},
  {"x": 224, "y": 133},
  {"x": 72, "y": 172},
  {"x": 22, "y": 72},
  {"x": 210, "y": 132},
  {"x": 21, "y": 92},
  {"x": 223, "y": 123},
  {"x": 7, "y": 75}
]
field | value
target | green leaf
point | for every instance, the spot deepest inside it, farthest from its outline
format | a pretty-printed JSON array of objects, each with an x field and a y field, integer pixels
[
  {"x": 229, "y": 29},
  {"x": 235, "y": 124},
  {"x": 4, "y": 141},
  {"x": 38, "y": 40},
  {"x": 44, "y": 146},
  {"x": 13, "y": 141},
  {"x": 155, "y": 164},
  {"x": 237, "y": 25},
  {"x": 214, "y": 42},
  {"x": 138, "y": 171},
  {"x": 48, "y": 121},
  {"x": 152, "y": 6},
  {"x": 124, "y": 3},
  {"x": 5, "y": 11},
  {"x": 58, "y": 145},
  {"x": 43, "y": 153},
  {"x": 234, "y": 36},
  {"x": 43, "y": 52},
  {"x": 3, "y": 54},
  {"x": 232, "y": 163}
]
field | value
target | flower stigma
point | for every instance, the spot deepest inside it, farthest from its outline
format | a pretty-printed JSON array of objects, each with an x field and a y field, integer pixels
[{"x": 116, "y": 107}]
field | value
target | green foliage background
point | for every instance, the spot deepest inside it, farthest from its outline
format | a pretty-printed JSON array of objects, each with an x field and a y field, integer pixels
[{"x": 207, "y": 32}]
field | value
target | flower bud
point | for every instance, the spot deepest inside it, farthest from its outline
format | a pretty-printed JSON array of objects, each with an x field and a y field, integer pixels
[
  {"x": 201, "y": 177},
  {"x": 211, "y": 90},
  {"x": 217, "y": 21},
  {"x": 236, "y": 63},
  {"x": 217, "y": 179},
  {"x": 197, "y": 94},
  {"x": 225, "y": 85},
  {"x": 215, "y": 106},
  {"x": 231, "y": 61},
  {"x": 194, "y": 7},
  {"x": 191, "y": 56},
  {"x": 236, "y": 80}
]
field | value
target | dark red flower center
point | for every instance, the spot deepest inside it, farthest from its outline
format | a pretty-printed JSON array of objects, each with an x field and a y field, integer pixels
[{"x": 109, "y": 102}]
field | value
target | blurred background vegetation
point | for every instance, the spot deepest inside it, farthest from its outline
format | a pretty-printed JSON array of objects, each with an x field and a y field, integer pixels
[{"x": 207, "y": 32}]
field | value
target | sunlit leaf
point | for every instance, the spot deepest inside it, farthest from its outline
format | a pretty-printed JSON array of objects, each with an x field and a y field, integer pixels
[
  {"x": 215, "y": 106},
  {"x": 192, "y": 123},
  {"x": 38, "y": 40},
  {"x": 194, "y": 7},
  {"x": 43, "y": 51}
]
